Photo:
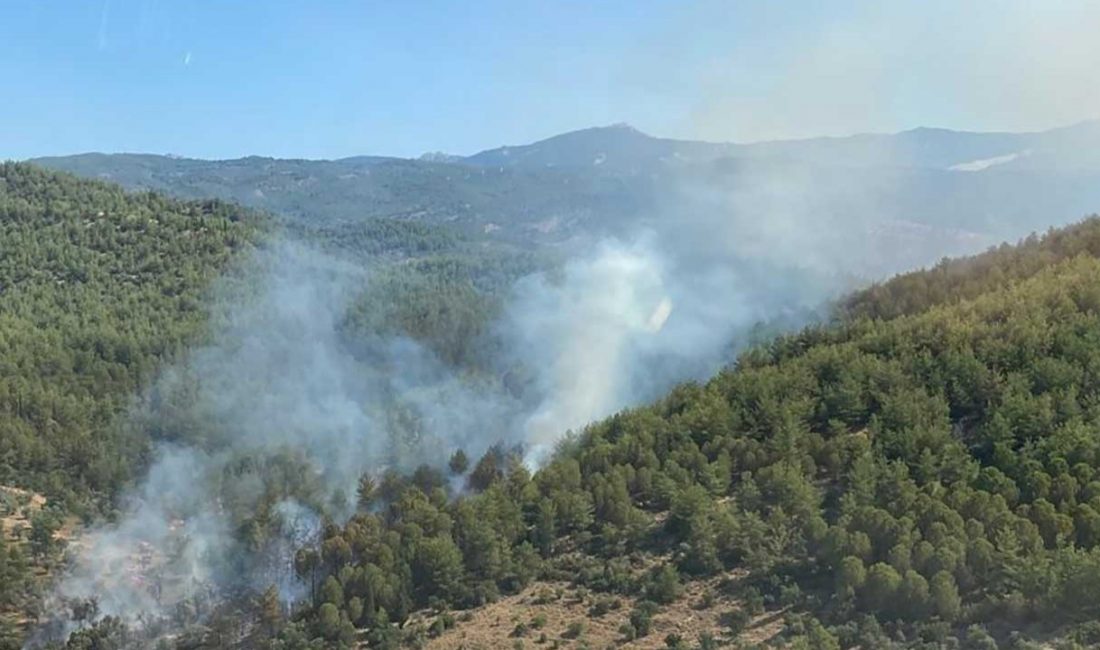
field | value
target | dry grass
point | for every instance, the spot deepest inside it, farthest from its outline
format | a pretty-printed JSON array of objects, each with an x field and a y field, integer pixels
[
  {"x": 15, "y": 526},
  {"x": 559, "y": 605},
  {"x": 17, "y": 523}
]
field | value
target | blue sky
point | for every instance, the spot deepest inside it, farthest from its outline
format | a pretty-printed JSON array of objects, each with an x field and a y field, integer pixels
[{"x": 225, "y": 78}]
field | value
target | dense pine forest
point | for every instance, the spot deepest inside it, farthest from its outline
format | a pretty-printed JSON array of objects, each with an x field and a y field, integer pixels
[
  {"x": 922, "y": 471},
  {"x": 927, "y": 479},
  {"x": 96, "y": 285},
  {"x": 97, "y": 288},
  {"x": 100, "y": 289}
]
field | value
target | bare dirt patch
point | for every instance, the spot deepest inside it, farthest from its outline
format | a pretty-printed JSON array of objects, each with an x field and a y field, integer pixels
[
  {"x": 17, "y": 507},
  {"x": 549, "y": 614}
]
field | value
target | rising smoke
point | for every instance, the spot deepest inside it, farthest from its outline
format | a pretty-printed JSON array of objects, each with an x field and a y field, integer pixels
[
  {"x": 280, "y": 414},
  {"x": 274, "y": 418}
]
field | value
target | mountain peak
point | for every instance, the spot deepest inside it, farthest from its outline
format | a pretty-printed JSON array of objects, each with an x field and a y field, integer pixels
[
  {"x": 624, "y": 126},
  {"x": 616, "y": 146},
  {"x": 439, "y": 157},
  {"x": 618, "y": 130}
]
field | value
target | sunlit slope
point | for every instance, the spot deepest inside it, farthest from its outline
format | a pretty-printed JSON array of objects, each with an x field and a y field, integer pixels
[{"x": 954, "y": 280}]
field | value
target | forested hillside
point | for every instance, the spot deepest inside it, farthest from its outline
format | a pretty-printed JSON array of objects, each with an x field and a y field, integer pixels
[
  {"x": 550, "y": 326},
  {"x": 927, "y": 480},
  {"x": 100, "y": 289},
  {"x": 955, "y": 280},
  {"x": 97, "y": 286},
  {"x": 921, "y": 472},
  {"x": 544, "y": 205}
]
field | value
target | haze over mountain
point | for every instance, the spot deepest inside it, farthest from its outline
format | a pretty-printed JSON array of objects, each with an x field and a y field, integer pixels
[
  {"x": 927, "y": 192},
  {"x": 624, "y": 148}
]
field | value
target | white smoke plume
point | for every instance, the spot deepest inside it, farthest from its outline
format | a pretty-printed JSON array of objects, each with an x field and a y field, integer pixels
[
  {"x": 279, "y": 415},
  {"x": 582, "y": 330},
  {"x": 276, "y": 418}
]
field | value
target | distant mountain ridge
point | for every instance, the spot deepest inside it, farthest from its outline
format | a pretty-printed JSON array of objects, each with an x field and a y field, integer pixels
[
  {"x": 917, "y": 195},
  {"x": 621, "y": 146},
  {"x": 621, "y": 142}
]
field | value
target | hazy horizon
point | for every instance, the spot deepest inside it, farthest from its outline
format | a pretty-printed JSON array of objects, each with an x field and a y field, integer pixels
[
  {"x": 380, "y": 154},
  {"x": 217, "y": 81}
]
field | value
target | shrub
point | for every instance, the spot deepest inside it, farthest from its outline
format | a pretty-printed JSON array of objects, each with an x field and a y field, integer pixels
[{"x": 575, "y": 630}]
